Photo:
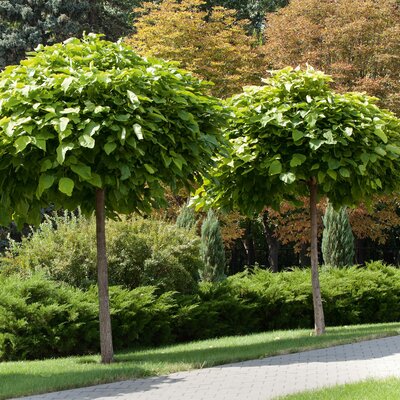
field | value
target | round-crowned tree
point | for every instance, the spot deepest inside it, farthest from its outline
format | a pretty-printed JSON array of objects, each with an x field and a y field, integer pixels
[
  {"x": 89, "y": 123},
  {"x": 296, "y": 137}
]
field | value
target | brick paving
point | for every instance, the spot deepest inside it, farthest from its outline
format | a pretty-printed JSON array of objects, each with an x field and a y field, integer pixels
[{"x": 260, "y": 379}]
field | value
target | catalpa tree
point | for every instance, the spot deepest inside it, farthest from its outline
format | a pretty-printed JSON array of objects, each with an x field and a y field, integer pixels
[
  {"x": 89, "y": 123},
  {"x": 295, "y": 137}
]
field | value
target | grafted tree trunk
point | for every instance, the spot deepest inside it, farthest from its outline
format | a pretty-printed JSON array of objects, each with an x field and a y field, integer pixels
[
  {"x": 272, "y": 244},
  {"x": 319, "y": 318},
  {"x": 106, "y": 345}
]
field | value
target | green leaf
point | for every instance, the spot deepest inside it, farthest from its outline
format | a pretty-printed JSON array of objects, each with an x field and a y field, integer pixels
[
  {"x": 45, "y": 165},
  {"x": 379, "y": 132},
  {"x": 275, "y": 167},
  {"x": 63, "y": 123},
  {"x": 45, "y": 182},
  {"x": 138, "y": 131},
  {"x": 125, "y": 172},
  {"x": 184, "y": 115},
  {"x": 67, "y": 83},
  {"x": 297, "y": 160},
  {"x": 66, "y": 186},
  {"x": 149, "y": 169},
  {"x": 21, "y": 143},
  {"x": 91, "y": 128},
  {"x": 62, "y": 150},
  {"x": 344, "y": 172},
  {"x": 297, "y": 135},
  {"x": 332, "y": 174},
  {"x": 133, "y": 98},
  {"x": 84, "y": 171},
  {"x": 86, "y": 141},
  {"x": 315, "y": 144},
  {"x": 287, "y": 177},
  {"x": 110, "y": 147},
  {"x": 95, "y": 180}
]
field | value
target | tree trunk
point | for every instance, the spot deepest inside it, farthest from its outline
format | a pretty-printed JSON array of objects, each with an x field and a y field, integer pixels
[
  {"x": 106, "y": 345},
  {"x": 272, "y": 244},
  {"x": 317, "y": 299},
  {"x": 248, "y": 244}
]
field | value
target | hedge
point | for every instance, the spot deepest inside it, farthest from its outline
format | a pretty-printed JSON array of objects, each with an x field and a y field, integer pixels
[{"x": 43, "y": 318}]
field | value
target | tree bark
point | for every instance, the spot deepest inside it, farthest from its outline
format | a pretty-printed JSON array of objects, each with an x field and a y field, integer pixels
[
  {"x": 319, "y": 318},
  {"x": 248, "y": 244},
  {"x": 272, "y": 244},
  {"x": 106, "y": 345}
]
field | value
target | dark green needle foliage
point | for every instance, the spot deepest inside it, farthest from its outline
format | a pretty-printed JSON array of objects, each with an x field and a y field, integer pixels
[
  {"x": 25, "y": 24},
  {"x": 212, "y": 249},
  {"x": 337, "y": 238}
]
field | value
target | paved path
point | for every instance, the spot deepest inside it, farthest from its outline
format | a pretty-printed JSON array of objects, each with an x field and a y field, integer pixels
[{"x": 261, "y": 379}]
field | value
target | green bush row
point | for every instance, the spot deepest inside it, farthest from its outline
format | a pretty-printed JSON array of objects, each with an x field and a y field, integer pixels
[
  {"x": 140, "y": 252},
  {"x": 42, "y": 318}
]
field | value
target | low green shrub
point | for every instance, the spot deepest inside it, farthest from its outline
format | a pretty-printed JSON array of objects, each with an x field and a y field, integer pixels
[
  {"x": 140, "y": 252},
  {"x": 41, "y": 318}
]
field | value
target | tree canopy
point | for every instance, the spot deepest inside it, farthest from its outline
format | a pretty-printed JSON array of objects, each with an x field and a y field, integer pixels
[
  {"x": 213, "y": 44},
  {"x": 26, "y": 24},
  {"x": 92, "y": 114},
  {"x": 296, "y": 127},
  {"x": 356, "y": 41}
]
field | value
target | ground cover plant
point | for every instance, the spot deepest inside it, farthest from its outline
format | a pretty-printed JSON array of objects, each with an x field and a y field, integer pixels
[
  {"x": 385, "y": 389},
  {"x": 40, "y": 318},
  {"x": 29, "y": 377}
]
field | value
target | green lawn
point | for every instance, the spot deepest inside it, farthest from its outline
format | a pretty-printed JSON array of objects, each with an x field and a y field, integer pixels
[
  {"x": 388, "y": 389},
  {"x": 33, "y": 377}
]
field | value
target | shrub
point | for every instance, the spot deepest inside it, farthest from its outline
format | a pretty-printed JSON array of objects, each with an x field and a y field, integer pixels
[
  {"x": 140, "y": 252},
  {"x": 42, "y": 318}
]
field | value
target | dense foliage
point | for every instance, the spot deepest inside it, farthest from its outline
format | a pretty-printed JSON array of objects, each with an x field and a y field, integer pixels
[
  {"x": 40, "y": 318},
  {"x": 356, "y": 41},
  {"x": 90, "y": 114},
  {"x": 26, "y": 24},
  {"x": 212, "y": 250},
  {"x": 140, "y": 252},
  {"x": 213, "y": 44}
]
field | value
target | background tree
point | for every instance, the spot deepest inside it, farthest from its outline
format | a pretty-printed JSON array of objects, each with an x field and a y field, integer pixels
[
  {"x": 186, "y": 218},
  {"x": 212, "y": 249},
  {"x": 337, "y": 238},
  {"x": 252, "y": 10},
  {"x": 356, "y": 41},
  {"x": 213, "y": 44},
  {"x": 25, "y": 24},
  {"x": 91, "y": 124},
  {"x": 296, "y": 137}
]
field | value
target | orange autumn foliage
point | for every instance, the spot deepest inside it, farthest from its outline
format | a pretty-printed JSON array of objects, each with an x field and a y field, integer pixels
[{"x": 357, "y": 41}]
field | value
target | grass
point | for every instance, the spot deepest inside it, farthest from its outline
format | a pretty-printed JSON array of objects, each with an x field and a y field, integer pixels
[
  {"x": 34, "y": 377},
  {"x": 387, "y": 389}
]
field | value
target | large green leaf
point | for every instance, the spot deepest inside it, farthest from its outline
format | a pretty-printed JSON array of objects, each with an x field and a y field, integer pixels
[{"x": 66, "y": 186}]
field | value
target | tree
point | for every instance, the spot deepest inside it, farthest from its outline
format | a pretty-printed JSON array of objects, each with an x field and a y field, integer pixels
[
  {"x": 212, "y": 249},
  {"x": 89, "y": 123},
  {"x": 296, "y": 137},
  {"x": 25, "y": 24},
  {"x": 252, "y": 10},
  {"x": 186, "y": 218},
  {"x": 356, "y": 41},
  {"x": 337, "y": 238},
  {"x": 212, "y": 44}
]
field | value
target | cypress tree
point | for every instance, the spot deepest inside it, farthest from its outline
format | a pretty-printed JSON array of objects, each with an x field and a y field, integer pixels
[
  {"x": 186, "y": 218},
  {"x": 212, "y": 249},
  {"x": 337, "y": 238}
]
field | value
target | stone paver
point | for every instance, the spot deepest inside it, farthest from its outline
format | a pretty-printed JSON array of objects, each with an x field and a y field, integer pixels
[{"x": 261, "y": 379}]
